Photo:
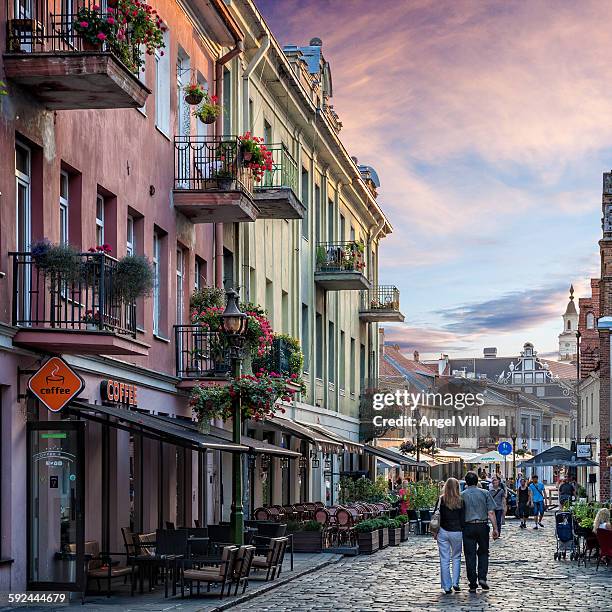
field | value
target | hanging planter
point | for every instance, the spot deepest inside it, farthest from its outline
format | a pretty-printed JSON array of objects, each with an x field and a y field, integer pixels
[
  {"x": 194, "y": 93},
  {"x": 209, "y": 110},
  {"x": 255, "y": 155}
]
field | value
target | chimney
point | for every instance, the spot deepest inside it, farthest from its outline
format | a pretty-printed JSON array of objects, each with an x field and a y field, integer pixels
[
  {"x": 416, "y": 355},
  {"x": 442, "y": 364},
  {"x": 490, "y": 352}
]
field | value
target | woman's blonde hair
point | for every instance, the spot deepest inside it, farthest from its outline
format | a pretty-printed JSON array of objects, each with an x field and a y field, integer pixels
[
  {"x": 603, "y": 516},
  {"x": 451, "y": 495}
]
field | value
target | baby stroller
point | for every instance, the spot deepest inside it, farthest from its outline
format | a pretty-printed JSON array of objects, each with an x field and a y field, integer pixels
[{"x": 565, "y": 535}]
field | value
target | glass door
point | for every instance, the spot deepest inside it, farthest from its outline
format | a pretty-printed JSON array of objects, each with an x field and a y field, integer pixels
[{"x": 55, "y": 505}]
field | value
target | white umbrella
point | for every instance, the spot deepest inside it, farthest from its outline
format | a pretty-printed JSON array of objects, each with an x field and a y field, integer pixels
[{"x": 490, "y": 457}]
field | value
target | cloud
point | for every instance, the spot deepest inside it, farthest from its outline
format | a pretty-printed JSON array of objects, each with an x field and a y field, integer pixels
[
  {"x": 511, "y": 312},
  {"x": 426, "y": 341}
]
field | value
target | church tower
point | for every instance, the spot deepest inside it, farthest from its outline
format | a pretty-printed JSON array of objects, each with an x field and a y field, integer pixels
[{"x": 568, "y": 344}]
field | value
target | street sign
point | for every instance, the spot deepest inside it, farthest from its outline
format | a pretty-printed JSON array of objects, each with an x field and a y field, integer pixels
[
  {"x": 504, "y": 448},
  {"x": 55, "y": 384}
]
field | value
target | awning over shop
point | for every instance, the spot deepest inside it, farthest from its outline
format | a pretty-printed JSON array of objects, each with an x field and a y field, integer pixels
[
  {"x": 155, "y": 426},
  {"x": 224, "y": 436},
  {"x": 349, "y": 445},
  {"x": 393, "y": 457},
  {"x": 321, "y": 441},
  {"x": 491, "y": 457}
]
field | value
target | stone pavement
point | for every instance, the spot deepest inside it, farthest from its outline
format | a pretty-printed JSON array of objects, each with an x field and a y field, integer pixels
[
  {"x": 155, "y": 601},
  {"x": 523, "y": 576}
]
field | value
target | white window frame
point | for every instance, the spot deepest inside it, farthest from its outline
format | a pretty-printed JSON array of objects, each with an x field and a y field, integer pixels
[
  {"x": 180, "y": 279},
  {"x": 100, "y": 204},
  {"x": 162, "y": 87},
  {"x": 64, "y": 208},
  {"x": 24, "y": 180},
  {"x": 130, "y": 240},
  {"x": 156, "y": 282}
]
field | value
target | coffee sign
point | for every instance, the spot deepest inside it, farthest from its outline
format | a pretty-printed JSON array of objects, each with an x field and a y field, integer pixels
[
  {"x": 119, "y": 392},
  {"x": 55, "y": 384}
]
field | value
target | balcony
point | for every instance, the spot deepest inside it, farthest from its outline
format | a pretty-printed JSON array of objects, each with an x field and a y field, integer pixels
[
  {"x": 46, "y": 56},
  {"x": 380, "y": 304},
  {"x": 488, "y": 442},
  {"x": 75, "y": 311},
  {"x": 340, "y": 266},
  {"x": 276, "y": 195},
  {"x": 212, "y": 183},
  {"x": 201, "y": 356}
]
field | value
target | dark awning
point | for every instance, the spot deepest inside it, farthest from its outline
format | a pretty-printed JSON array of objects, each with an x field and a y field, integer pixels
[
  {"x": 224, "y": 436},
  {"x": 557, "y": 456},
  {"x": 393, "y": 457},
  {"x": 321, "y": 441},
  {"x": 156, "y": 426},
  {"x": 349, "y": 445}
]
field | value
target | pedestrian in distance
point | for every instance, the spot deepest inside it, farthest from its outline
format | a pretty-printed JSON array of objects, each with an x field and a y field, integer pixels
[
  {"x": 537, "y": 495},
  {"x": 449, "y": 536},
  {"x": 602, "y": 520},
  {"x": 498, "y": 493},
  {"x": 479, "y": 510},
  {"x": 566, "y": 491},
  {"x": 524, "y": 502},
  {"x": 519, "y": 477}
]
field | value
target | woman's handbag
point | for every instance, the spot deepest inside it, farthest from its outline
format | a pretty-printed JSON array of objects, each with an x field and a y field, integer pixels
[{"x": 434, "y": 522}]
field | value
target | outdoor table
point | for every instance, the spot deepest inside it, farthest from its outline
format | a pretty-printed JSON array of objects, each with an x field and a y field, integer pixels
[{"x": 150, "y": 561}]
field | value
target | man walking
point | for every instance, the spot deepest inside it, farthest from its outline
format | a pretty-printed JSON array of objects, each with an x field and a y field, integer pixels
[
  {"x": 566, "y": 491},
  {"x": 537, "y": 494},
  {"x": 479, "y": 509}
]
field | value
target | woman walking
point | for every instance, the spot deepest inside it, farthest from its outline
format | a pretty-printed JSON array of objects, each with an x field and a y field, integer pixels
[
  {"x": 449, "y": 536},
  {"x": 524, "y": 502},
  {"x": 498, "y": 492}
]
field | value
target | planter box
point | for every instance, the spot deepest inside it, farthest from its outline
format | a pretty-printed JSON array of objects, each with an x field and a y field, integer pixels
[
  {"x": 404, "y": 532},
  {"x": 368, "y": 542},
  {"x": 394, "y": 536},
  {"x": 307, "y": 542},
  {"x": 383, "y": 538}
]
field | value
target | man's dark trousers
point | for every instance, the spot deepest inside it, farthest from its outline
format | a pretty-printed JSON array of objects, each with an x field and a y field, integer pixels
[{"x": 476, "y": 546}]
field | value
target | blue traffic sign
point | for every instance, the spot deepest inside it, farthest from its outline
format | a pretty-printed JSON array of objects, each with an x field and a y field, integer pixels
[{"x": 504, "y": 448}]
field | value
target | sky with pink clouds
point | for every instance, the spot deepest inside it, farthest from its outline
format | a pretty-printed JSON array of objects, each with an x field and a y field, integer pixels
[{"x": 489, "y": 124}]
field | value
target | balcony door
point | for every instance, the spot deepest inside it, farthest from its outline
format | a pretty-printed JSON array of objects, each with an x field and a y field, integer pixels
[
  {"x": 183, "y": 117},
  {"x": 55, "y": 508}
]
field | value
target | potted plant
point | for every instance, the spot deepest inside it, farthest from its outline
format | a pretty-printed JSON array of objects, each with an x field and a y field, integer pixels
[
  {"x": 383, "y": 532},
  {"x": 94, "y": 28},
  {"x": 395, "y": 532},
  {"x": 194, "y": 93},
  {"x": 367, "y": 536},
  {"x": 60, "y": 263},
  {"x": 92, "y": 320},
  {"x": 255, "y": 155},
  {"x": 308, "y": 538},
  {"x": 133, "y": 278},
  {"x": 225, "y": 179},
  {"x": 403, "y": 520},
  {"x": 210, "y": 108},
  {"x": 206, "y": 297}
]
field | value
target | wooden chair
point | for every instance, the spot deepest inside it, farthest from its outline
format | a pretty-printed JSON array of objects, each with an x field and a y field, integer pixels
[
  {"x": 272, "y": 562},
  {"x": 242, "y": 567},
  {"x": 100, "y": 566},
  {"x": 223, "y": 575}
]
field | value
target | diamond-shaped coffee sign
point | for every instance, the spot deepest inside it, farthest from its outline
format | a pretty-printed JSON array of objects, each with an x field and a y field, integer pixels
[{"x": 55, "y": 384}]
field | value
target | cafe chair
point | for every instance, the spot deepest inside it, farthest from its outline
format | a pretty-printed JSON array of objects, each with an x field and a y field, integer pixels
[
  {"x": 223, "y": 575},
  {"x": 242, "y": 568},
  {"x": 273, "y": 560},
  {"x": 604, "y": 538}
]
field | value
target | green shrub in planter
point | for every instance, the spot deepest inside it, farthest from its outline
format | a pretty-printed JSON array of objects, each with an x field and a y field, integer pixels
[
  {"x": 367, "y": 536},
  {"x": 312, "y": 526},
  {"x": 395, "y": 532},
  {"x": 294, "y": 526},
  {"x": 207, "y": 297},
  {"x": 133, "y": 277}
]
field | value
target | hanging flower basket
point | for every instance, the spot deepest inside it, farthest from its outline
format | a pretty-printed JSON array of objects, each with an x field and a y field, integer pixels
[
  {"x": 209, "y": 109},
  {"x": 194, "y": 93},
  {"x": 193, "y": 98}
]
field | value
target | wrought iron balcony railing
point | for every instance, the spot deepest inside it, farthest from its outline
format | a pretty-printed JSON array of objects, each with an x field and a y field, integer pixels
[
  {"x": 77, "y": 295},
  {"x": 284, "y": 171},
  {"x": 200, "y": 353},
  {"x": 48, "y": 26},
  {"x": 277, "y": 359},
  {"x": 383, "y": 297},
  {"x": 340, "y": 257},
  {"x": 206, "y": 163}
]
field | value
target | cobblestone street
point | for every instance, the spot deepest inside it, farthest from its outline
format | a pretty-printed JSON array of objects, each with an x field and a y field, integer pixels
[{"x": 523, "y": 576}]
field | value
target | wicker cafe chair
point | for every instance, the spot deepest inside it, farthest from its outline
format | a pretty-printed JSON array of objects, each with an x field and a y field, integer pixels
[
  {"x": 310, "y": 510},
  {"x": 263, "y": 514},
  {"x": 100, "y": 566},
  {"x": 345, "y": 527},
  {"x": 277, "y": 513},
  {"x": 223, "y": 575},
  {"x": 273, "y": 561},
  {"x": 323, "y": 516}
]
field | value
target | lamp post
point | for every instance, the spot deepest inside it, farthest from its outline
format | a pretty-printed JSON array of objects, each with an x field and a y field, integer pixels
[{"x": 234, "y": 326}]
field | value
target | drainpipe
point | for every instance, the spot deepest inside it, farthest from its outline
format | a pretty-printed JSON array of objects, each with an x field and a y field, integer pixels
[{"x": 218, "y": 227}]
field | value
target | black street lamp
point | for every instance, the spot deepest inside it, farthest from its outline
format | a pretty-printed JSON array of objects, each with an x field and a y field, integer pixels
[{"x": 234, "y": 325}]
